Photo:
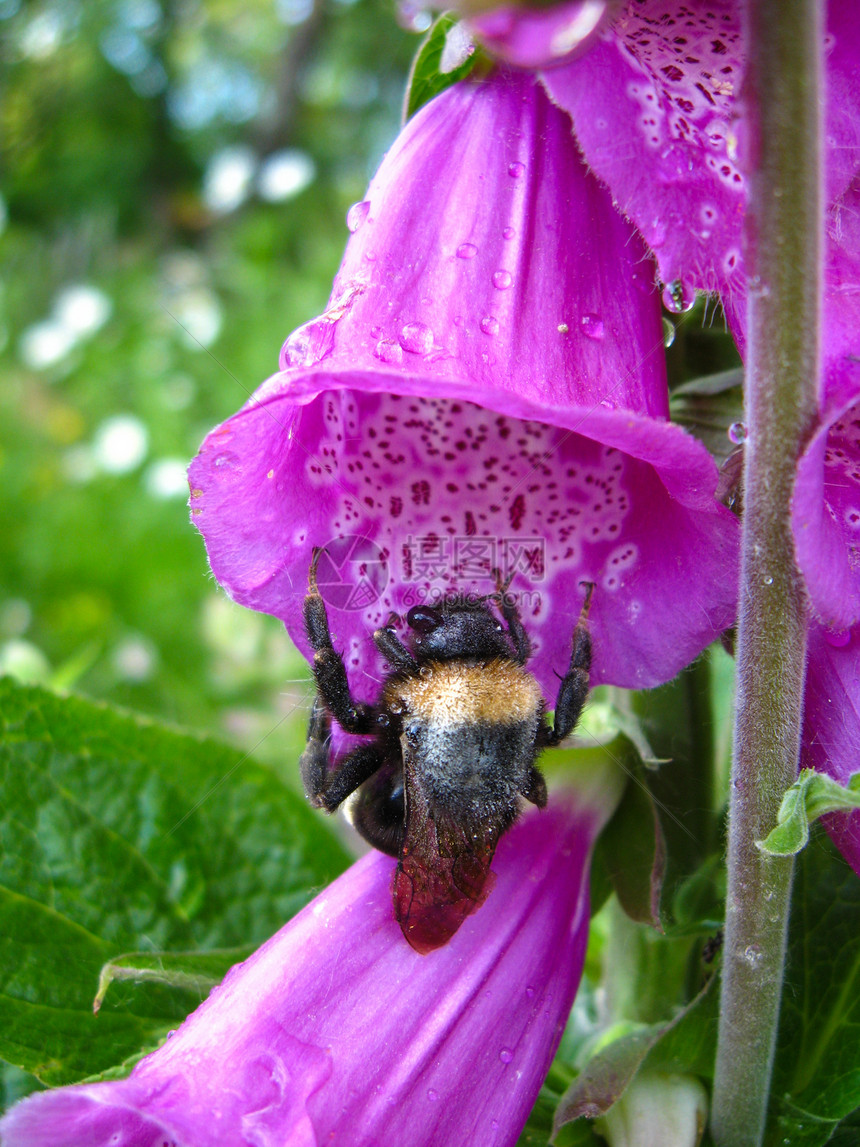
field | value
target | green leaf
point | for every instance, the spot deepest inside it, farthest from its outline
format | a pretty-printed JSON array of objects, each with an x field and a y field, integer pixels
[
  {"x": 118, "y": 835},
  {"x": 538, "y": 1131},
  {"x": 677, "y": 720},
  {"x": 631, "y": 849},
  {"x": 196, "y": 971},
  {"x": 685, "y": 1045},
  {"x": 708, "y": 406},
  {"x": 447, "y": 46},
  {"x": 817, "y": 1067},
  {"x": 811, "y": 796}
]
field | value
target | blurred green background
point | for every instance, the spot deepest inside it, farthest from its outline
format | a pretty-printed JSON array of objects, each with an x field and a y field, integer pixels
[{"x": 175, "y": 178}]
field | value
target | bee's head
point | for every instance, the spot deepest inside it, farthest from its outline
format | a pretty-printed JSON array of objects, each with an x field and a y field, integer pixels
[{"x": 457, "y": 627}]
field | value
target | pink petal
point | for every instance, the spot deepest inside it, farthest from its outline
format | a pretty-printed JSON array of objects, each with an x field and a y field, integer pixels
[
  {"x": 831, "y": 730},
  {"x": 653, "y": 107},
  {"x": 337, "y": 1031},
  {"x": 541, "y": 37}
]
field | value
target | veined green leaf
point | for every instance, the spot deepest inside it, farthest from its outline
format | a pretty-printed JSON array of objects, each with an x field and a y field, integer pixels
[{"x": 120, "y": 835}]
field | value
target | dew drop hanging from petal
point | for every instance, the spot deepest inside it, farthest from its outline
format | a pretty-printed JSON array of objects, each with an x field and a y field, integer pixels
[
  {"x": 308, "y": 345},
  {"x": 417, "y": 338},
  {"x": 357, "y": 215},
  {"x": 678, "y": 297}
]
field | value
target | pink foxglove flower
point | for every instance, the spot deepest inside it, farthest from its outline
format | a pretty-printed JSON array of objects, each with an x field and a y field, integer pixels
[
  {"x": 485, "y": 388},
  {"x": 826, "y": 522},
  {"x": 831, "y": 731},
  {"x": 654, "y": 94},
  {"x": 337, "y": 1031}
]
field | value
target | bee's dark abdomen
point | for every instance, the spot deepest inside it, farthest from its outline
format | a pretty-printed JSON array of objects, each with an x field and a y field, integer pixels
[{"x": 482, "y": 766}]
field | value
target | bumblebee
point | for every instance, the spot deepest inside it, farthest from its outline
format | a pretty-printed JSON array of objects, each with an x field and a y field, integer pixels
[{"x": 457, "y": 730}]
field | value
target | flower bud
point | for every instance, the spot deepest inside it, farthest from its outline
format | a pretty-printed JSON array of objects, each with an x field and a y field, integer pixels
[{"x": 657, "y": 1110}]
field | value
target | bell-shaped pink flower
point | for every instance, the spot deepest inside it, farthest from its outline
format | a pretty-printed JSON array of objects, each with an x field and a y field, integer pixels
[
  {"x": 655, "y": 96},
  {"x": 826, "y": 524},
  {"x": 831, "y": 729},
  {"x": 486, "y": 389},
  {"x": 336, "y": 1031}
]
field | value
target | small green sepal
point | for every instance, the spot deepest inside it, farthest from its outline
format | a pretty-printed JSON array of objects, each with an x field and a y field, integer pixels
[
  {"x": 447, "y": 54},
  {"x": 812, "y": 795}
]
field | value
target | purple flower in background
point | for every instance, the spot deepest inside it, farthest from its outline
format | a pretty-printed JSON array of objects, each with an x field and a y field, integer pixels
[
  {"x": 826, "y": 523},
  {"x": 485, "y": 388},
  {"x": 831, "y": 731},
  {"x": 655, "y": 97},
  {"x": 336, "y": 1031}
]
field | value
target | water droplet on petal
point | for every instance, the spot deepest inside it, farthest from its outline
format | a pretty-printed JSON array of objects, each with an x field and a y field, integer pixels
[
  {"x": 768, "y": 580},
  {"x": 678, "y": 297},
  {"x": 467, "y": 251},
  {"x": 382, "y": 720},
  {"x": 563, "y": 328},
  {"x": 489, "y": 325},
  {"x": 737, "y": 433},
  {"x": 308, "y": 345},
  {"x": 432, "y": 1095},
  {"x": 357, "y": 215},
  {"x": 508, "y": 233},
  {"x": 502, "y": 280},
  {"x": 417, "y": 338},
  {"x": 530, "y": 992},
  {"x": 668, "y": 332},
  {"x": 387, "y": 350},
  {"x": 608, "y": 403},
  {"x": 506, "y": 1055},
  {"x": 516, "y": 169},
  {"x": 592, "y": 326}
]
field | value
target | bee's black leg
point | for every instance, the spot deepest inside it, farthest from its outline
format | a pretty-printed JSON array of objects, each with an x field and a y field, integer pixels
[
  {"x": 328, "y": 667},
  {"x": 326, "y": 787},
  {"x": 379, "y": 813},
  {"x": 534, "y": 789},
  {"x": 574, "y": 685},
  {"x": 508, "y": 610},
  {"x": 393, "y": 649}
]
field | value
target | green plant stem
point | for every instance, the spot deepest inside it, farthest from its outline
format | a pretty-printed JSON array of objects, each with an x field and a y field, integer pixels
[{"x": 782, "y": 369}]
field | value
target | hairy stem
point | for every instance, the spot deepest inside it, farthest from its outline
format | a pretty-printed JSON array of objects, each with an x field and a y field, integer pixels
[{"x": 783, "y": 266}]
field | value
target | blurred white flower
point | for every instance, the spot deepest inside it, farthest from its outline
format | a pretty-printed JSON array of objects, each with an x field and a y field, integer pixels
[
  {"x": 166, "y": 478},
  {"x": 79, "y": 311},
  {"x": 43, "y": 344},
  {"x": 120, "y": 444},
  {"x": 199, "y": 316},
  {"x": 135, "y": 659},
  {"x": 24, "y": 661},
  {"x": 227, "y": 182},
  {"x": 284, "y": 174},
  {"x": 82, "y": 309}
]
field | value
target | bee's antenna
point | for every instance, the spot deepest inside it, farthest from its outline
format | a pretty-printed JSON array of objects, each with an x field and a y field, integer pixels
[
  {"x": 502, "y": 584},
  {"x": 586, "y": 605},
  {"x": 312, "y": 572}
]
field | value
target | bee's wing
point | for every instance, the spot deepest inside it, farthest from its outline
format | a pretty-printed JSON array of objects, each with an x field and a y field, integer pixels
[{"x": 444, "y": 871}]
